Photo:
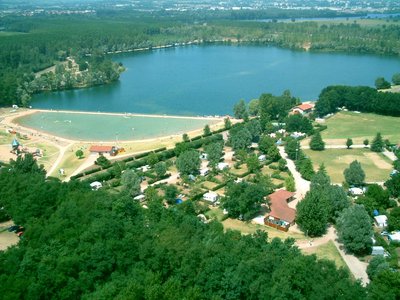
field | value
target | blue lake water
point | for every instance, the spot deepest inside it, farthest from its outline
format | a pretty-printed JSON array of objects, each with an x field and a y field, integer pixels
[{"x": 204, "y": 80}]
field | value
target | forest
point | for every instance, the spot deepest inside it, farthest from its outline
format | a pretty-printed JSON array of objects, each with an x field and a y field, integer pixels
[
  {"x": 359, "y": 98},
  {"x": 33, "y": 44},
  {"x": 80, "y": 243}
]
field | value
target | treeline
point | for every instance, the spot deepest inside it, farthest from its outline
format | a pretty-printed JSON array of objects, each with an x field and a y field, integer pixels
[
  {"x": 41, "y": 42},
  {"x": 80, "y": 243},
  {"x": 359, "y": 98}
]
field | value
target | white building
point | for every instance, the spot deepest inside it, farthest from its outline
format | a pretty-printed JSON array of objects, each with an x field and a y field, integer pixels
[
  {"x": 355, "y": 191},
  {"x": 211, "y": 197},
  {"x": 95, "y": 185},
  {"x": 381, "y": 221},
  {"x": 222, "y": 166},
  {"x": 204, "y": 172},
  {"x": 262, "y": 157}
]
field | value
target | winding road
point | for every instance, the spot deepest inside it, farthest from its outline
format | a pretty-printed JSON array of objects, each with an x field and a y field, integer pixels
[{"x": 357, "y": 267}]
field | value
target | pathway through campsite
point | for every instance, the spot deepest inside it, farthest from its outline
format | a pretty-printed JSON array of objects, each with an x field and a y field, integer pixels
[{"x": 357, "y": 268}]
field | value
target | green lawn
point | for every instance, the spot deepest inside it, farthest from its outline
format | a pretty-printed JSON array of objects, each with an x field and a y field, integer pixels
[
  {"x": 375, "y": 165},
  {"x": 361, "y": 126},
  {"x": 327, "y": 251}
]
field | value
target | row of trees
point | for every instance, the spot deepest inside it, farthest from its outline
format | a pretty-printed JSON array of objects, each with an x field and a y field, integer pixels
[
  {"x": 360, "y": 98},
  {"x": 382, "y": 83}
]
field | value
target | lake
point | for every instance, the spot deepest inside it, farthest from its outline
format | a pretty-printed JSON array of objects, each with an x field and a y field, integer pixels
[{"x": 208, "y": 80}]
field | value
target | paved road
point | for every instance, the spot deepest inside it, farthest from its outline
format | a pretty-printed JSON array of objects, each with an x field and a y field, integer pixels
[{"x": 357, "y": 268}]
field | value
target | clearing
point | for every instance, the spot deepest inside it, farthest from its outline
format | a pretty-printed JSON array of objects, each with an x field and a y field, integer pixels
[
  {"x": 376, "y": 166},
  {"x": 360, "y": 126}
]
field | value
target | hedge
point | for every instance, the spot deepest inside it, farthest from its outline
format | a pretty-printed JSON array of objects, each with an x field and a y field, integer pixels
[
  {"x": 88, "y": 172},
  {"x": 160, "y": 149}
]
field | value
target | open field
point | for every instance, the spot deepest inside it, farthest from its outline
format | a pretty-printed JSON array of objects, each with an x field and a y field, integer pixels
[
  {"x": 327, "y": 251},
  {"x": 359, "y": 127},
  {"x": 375, "y": 165}
]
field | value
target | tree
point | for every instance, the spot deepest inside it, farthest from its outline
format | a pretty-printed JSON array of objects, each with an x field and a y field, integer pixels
[
  {"x": 265, "y": 143},
  {"x": 320, "y": 179},
  {"x": 214, "y": 153},
  {"x": 393, "y": 185},
  {"x": 313, "y": 214},
  {"x": 239, "y": 138},
  {"x": 26, "y": 164},
  {"x": 316, "y": 143},
  {"x": 282, "y": 165},
  {"x": 79, "y": 153},
  {"x": 354, "y": 174},
  {"x": 376, "y": 265},
  {"x": 160, "y": 168},
  {"x": 305, "y": 167},
  {"x": 240, "y": 110},
  {"x": 394, "y": 219},
  {"x": 253, "y": 164},
  {"x": 292, "y": 148},
  {"x": 254, "y": 107},
  {"x": 396, "y": 78},
  {"x": 290, "y": 185},
  {"x": 207, "y": 130},
  {"x": 185, "y": 137},
  {"x": 354, "y": 227},
  {"x": 243, "y": 199},
  {"x": 227, "y": 123},
  {"x": 273, "y": 153},
  {"x": 131, "y": 182},
  {"x": 188, "y": 162},
  {"x": 171, "y": 192},
  {"x": 254, "y": 128},
  {"x": 349, "y": 143},
  {"x": 152, "y": 159},
  {"x": 103, "y": 162},
  {"x": 338, "y": 201},
  {"x": 380, "y": 195},
  {"x": 366, "y": 142},
  {"x": 299, "y": 123},
  {"x": 381, "y": 83},
  {"x": 377, "y": 143},
  {"x": 385, "y": 286}
]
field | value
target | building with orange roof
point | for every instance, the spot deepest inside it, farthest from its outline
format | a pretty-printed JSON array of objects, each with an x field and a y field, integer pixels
[
  {"x": 281, "y": 216},
  {"x": 303, "y": 109}
]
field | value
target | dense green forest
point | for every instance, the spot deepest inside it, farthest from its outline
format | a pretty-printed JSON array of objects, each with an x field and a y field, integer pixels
[
  {"x": 88, "y": 244},
  {"x": 31, "y": 44},
  {"x": 359, "y": 98}
]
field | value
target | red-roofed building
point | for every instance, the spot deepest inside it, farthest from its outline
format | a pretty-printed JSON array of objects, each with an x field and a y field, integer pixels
[
  {"x": 281, "y": 215},
  {"x": 102, "y": 149},
  {"x": 303, "y": 109}
]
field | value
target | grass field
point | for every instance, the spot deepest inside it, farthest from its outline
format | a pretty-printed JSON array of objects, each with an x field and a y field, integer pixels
[
  {"x": 327, "y": 251},
  {"x": 375, "y": 165},
  {"x": 361, "y": 126}
]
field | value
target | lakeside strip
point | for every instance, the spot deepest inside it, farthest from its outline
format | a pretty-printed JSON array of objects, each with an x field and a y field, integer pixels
[
  {"x": 126, "y": 114},
  {"x": 11, "y": 121}
]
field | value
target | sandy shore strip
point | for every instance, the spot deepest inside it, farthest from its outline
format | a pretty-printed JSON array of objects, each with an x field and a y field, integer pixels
[{"x": 126, "y": 114}]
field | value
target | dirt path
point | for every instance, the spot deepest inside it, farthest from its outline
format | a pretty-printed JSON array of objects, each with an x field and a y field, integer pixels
[
  {"x": 357, "y": 268},
  {"x": 302, "y": 185}
]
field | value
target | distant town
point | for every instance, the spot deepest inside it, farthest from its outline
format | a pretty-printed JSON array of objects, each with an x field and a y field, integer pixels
[{"x": 31, "y": 8}]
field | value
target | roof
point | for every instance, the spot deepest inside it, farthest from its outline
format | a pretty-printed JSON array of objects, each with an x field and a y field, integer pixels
[
  {"x": 305, "y": 106},
  {"x": 96, "y": 148},
  {"x": 279, "y": 206},
  {"x": 381, "y": 219}
]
